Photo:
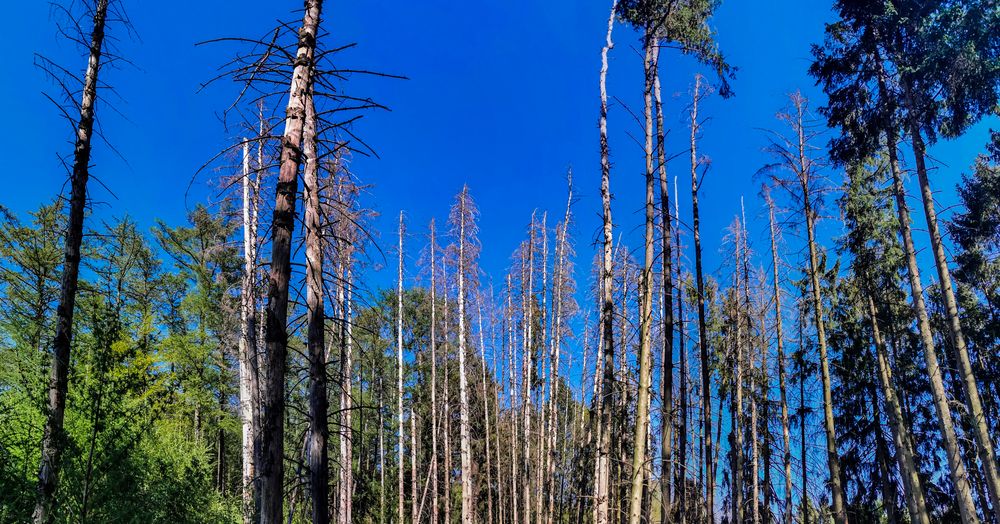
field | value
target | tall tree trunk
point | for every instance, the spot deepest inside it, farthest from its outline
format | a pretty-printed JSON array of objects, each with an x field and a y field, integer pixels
[
  {"x": 448, "y": 455},
  {"x": 414, "y": 503},
  {"x": 901, "y": 438},
  {"x": 780, "y": 343},
  {"x": 646, "y": 298},
  {"x": 486, "y": 420},
  {"x": 346, "y": 487},
  {"x": 833, "y": 457},
  {"x": 315, "y": 330},
  {"x": 248, "y": 339},
  {"x": 737, "y": 406},
  {"x": 559, "y": 276},
  {"x": 434, "y": 407},
  {"x": 682, "y": 434},
  {"x": 706, "y": 372},
  {"x": 511, "y": 398},
  {"x": 399, "y": 378},
  {"x": 970, "y": 389},
  {"x": 527, "y": 307},
  {"x": 271, "y": 458},
  {"x": 804, "y": 500},
  {"x": 468, "y": 500},
  {"x": 53, "y": 438},
  {"x": 956, "y": 465},
  {"x": 667, "y": 379},
  {"x": 381, "y": 454},
  {"x": 602, "y": 467}
]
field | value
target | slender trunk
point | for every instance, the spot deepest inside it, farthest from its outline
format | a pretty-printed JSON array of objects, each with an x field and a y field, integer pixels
[
  {"x": 901, "y": 438},
  {"x": 667, "y": 379},
  {"x": 970, "y": 388},
  {"x": 804, "y": 500},
  {"x": 315, "y": 331},
  {"x": 271, "y": 458},
  {"x": 956, "y": 464},
  {"x": 486, "y": 420},
  {"x": 780, "y": 343},
  {"x": 602, "y": 460},
  {"x": 511, "y": 401},
  {"x": 346, "y": 393},
  {"x": 737, "y": 406},
  {"x": 434, "y": 406},
  {"x": 414, "y": 510},
  {"x": 833, "y": 457},
  {"x": 381, "y": 455},
  {"x": 53, "y": 436},
  {"x": 682, "y": 434},
  {"x": 248, "y": 342},
  {"x": 706, "y": 392},
  {"x": 399, "y": 378},
  {"x": 468, "y": 500},
  {"x": 447, "y": 404}
]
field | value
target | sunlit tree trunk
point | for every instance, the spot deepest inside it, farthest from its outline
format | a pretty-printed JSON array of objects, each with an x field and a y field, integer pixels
[
  {"x": 646, "y": 298},
  {"x": 901, "y": 437},
  {"x": 270, "y": 461},
  {"x": 315, "y": 329},
  {"x": 602, "y": 468},
  {"x": 780, "y": 344},
  {"x": 53, "y": 439},
  {"x": 434, "y": 406},
  {"x": 667, "y": 378},
  {"x": 468, "y": 500},
  {"x": 399, "y": 378},
  {"x": 706, "y": 372},
  {"x": 248, "y": 331}
]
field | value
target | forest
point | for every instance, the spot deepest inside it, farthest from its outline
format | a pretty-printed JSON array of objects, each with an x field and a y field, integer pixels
[{"x": 285, "y": 357}]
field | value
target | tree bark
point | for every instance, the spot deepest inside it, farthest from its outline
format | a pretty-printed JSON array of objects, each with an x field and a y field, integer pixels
[
  {"x": 833, "y": 457},
  {"x": 53, "y": 438},
  {"x": 468, "y": 501},
  {"x": 667, "y": 378},
  {"x": 399, "y": 378},
  {"x": 970, "y": 388},
  {"x": 901, "y": 437},
  {"x": 434, "y": 406},
  {"x": 706, "y": 392},
  {"x": 271, "y": 457},
  {"x": 602, "y": 463},
  {"x": 248, "y": 339},
  {"x": 780, "y": 344}
]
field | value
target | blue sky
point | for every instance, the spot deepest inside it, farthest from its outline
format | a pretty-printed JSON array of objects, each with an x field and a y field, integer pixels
[{"x": 501, "y": 95}]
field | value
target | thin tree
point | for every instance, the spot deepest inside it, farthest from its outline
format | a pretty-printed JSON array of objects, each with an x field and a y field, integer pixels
[
  {"x": 793, "y": 155},
  {"x": 464, "y": 214},
  {"x": 434, "y": 406},
  {"x": 271, "y": 457},
  {"x": 53, "y": 438},
  {"x": 399, "y": 376},
  {"x": 602, "y": 467}
]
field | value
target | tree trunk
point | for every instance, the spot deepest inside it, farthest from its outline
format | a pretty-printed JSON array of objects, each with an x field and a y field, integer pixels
[
  {"x": 682, "y": 434},
  {"x": 53, "y": 438},
  {"x": 434, "y": 407},
  {"x": 959, "y": 474},
  {"x": 468, "y": 500},
  {"x": 248, "y": 339},
  {"x": 667, "y": 379},
  {"x": 602, "y": 462},
  {"x": 486, "y": 420},
  {"x": 315, "y": 330},
  {"x": 346, "y": 393},
  {"x": 970, "y": 389},
  {"x": 646, "y": 298},
  {"x": 271, "y": 458},
  {"x": 780, "y": 343},
  {"x": 901, "y": 438},
  {"x": 833, "y": 457},
  {"x": 706, "y": 372},
  {"x": 399, "y": 378}
]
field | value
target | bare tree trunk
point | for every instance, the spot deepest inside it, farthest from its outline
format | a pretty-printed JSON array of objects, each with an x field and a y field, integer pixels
[
  {"x": 602, "y": 468},
  {"x": 559, "y": 277},
  {"x": 646, "y": 298},
  {"x": 434, "y": 406},
  {"x": 833, "y": 458},
  {"x": 248, "y": 341},
  {"x": 528, "y": 369},
  {"x": 737, "y": 403},
  {"x": 53, "y": 436},
  {"x": 667, "y": 379},
  {"x": 414, "y": 503},
  {"x": 399, "y": 378},
  {"x": 447, "y": 404},
  {"x": 780, "y": 343},
  {"x": 346, "y": 393},
  {"x": 468, "y": 501},
  {"x": 682, "y": 435},
  {"x": 315, "y": 317},
  {"x": 752, "y": 365},
  {"x": 706, "y": 372},
  {"x": 804, "y": 500},
  {"x": 970, "y": 389},
  {"x": 486, "y": 420},
  {"x": 381, "y": 455},
  {"x": 959, "y": 474},
  {"x": 271, "y": 458},
  {"x": 511, "y": 399},
  {"x": 901, "y": 438}
]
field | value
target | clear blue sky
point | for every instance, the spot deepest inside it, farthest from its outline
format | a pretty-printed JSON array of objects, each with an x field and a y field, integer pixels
[{"x": 502, "y": 96}]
